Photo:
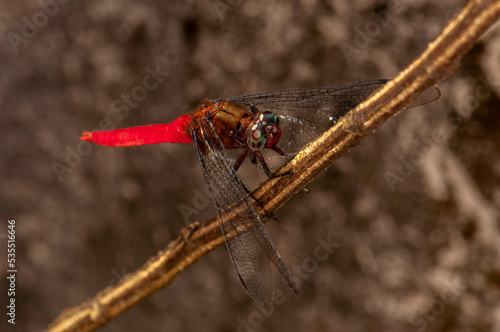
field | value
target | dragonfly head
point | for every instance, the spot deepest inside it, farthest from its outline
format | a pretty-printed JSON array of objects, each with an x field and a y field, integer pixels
[{"x": 265, "y": 132}]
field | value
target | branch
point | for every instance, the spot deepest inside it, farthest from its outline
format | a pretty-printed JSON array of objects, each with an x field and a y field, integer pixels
[{"x": 439, "y": 60}]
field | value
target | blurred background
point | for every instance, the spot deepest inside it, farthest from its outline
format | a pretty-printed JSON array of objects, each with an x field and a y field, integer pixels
[{"x": 410, "y": 216}]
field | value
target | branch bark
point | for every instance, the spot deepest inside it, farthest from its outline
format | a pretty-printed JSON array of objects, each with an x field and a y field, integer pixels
[{"x": 439, "y": 60}]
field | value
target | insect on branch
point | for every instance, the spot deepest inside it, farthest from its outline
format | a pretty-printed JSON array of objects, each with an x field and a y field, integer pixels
[{"x": 439, "y": 60}]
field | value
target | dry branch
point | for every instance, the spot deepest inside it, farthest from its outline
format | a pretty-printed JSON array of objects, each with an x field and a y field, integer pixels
[{"x": 436, "y": 64}]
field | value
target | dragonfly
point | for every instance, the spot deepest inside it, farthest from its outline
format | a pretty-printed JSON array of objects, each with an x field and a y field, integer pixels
[{"x": 259, "y": 127}]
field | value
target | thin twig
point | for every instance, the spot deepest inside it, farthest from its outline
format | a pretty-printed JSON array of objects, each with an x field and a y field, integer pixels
[{"x": 437, "y": 63}]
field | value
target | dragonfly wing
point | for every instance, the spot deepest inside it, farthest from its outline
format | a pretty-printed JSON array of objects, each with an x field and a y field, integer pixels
[
  {"x": 306, "y": 113},
  {"x": 252, "y": 250}
]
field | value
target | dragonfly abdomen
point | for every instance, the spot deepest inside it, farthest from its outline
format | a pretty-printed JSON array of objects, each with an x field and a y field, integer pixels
[{"x": 175, "y": 132}]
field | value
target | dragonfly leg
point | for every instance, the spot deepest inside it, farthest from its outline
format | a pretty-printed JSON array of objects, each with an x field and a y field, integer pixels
[
  {"x": 268, "y": 215},
  {"x": 279, "y": 151},
  {"x": 284, "y": 154},
  {"x": 262, "y": 163},
  {"x": 240, "y": 159},
  {"x": 237, "y": 138}
]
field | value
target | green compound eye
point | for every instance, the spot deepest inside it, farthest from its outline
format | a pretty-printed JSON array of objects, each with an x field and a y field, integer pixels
[
  {"x": 257, "y": 137},
  {"x": 268, "y": 118}
]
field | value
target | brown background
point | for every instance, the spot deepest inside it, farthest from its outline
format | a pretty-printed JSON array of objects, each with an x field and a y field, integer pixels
[{"x": 421, "y": 257}]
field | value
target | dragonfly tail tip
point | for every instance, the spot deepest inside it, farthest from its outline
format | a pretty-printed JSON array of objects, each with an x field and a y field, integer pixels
[{"x": 86, "y": 136}]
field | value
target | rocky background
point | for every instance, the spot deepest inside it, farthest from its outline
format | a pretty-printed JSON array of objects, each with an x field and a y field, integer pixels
[{"x": 412, "y": 212}]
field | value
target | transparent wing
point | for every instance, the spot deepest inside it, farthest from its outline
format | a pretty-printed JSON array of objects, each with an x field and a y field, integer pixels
[
  {"x": 306, "y": 113},
  {"x": 252, "y": 251}
]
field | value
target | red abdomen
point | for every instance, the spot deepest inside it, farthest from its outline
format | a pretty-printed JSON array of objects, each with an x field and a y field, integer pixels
[{"x": 175, "y": 132}]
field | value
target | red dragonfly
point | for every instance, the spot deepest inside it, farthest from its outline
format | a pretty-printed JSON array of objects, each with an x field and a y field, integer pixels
[{"x": 262, "y": 126}]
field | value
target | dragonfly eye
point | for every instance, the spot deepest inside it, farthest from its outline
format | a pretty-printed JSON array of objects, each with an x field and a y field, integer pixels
[
  {"x": 268, "y": 118},
  {"x": 257, "y": 137}
]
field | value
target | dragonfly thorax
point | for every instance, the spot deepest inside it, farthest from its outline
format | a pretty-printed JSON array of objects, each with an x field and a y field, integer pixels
[{"x": 263, "y": 132}]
